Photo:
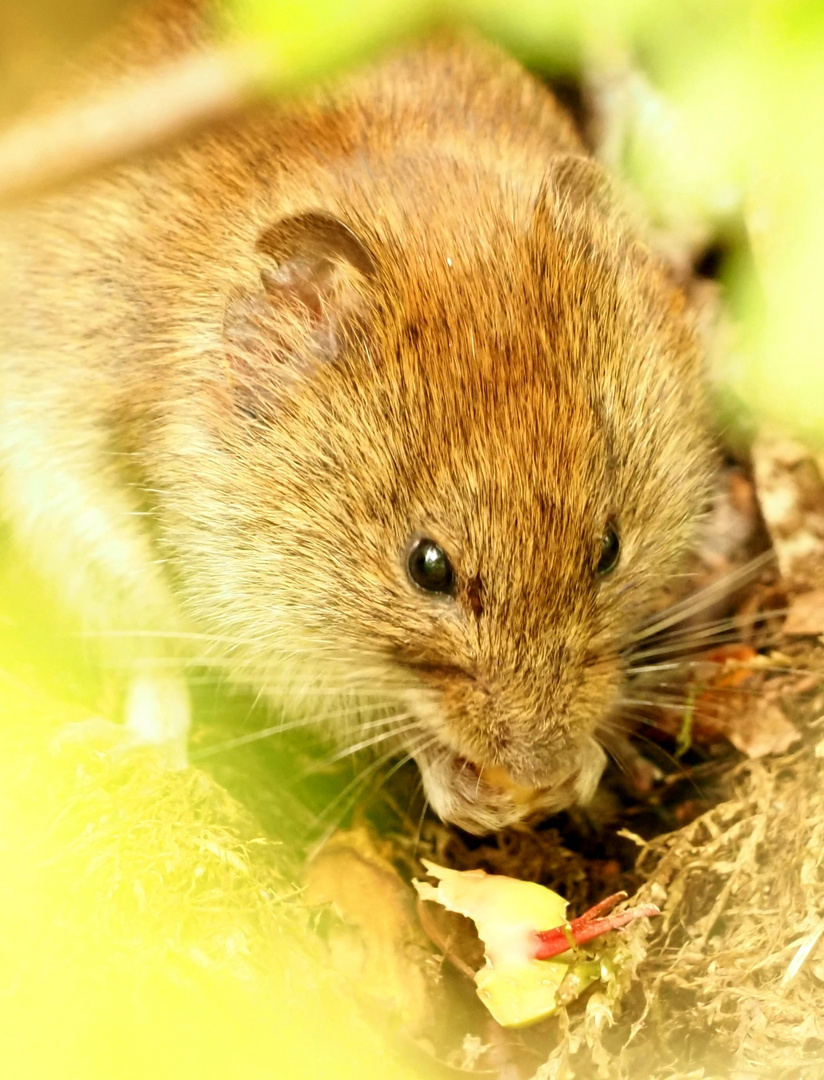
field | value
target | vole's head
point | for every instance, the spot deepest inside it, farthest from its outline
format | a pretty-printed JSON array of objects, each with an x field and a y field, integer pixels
[{"x": 450, "y": 464}]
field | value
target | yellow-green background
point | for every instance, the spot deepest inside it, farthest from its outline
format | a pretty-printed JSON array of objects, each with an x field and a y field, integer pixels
[{"x": 140, "y": 930}]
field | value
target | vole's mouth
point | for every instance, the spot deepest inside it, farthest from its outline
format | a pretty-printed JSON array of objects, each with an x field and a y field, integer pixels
[
  {"x": 484, "y": 799},
  {"x": 498, "y": 779},
  {"x": 476, "y": 798}
]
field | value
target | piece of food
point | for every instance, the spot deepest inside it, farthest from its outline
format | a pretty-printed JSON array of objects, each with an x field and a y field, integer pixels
[
  {"x": 372, "y": 935},
  {"x": 534, "y": 963}
]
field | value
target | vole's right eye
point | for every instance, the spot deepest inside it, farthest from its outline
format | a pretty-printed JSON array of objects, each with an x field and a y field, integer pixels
[
  {"x": 610, "y": 551},
  {"x": 429, "y": 567}
]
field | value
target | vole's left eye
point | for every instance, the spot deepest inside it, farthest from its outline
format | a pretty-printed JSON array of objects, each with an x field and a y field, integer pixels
[
  {"x": 610, "y": 551},
  {"x": 429, "y": 567}
]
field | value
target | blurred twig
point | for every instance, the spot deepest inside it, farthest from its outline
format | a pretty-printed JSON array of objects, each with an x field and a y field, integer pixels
[
  {"x": 277, "y": 48},
  {"x": 141, "y": 114}
]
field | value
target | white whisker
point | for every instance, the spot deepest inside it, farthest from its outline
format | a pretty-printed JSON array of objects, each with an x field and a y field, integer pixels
[
  {"x": 690, "y": 605},
  {"x": 291, "y": 725},
  {"x": 366, "y": 744},
  {"x": 360, "y": 781}
]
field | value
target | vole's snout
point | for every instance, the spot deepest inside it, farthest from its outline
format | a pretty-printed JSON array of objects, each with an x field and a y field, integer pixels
[
  {"x": 506, "y": 750},
  {"x": 483, "y": 799}
]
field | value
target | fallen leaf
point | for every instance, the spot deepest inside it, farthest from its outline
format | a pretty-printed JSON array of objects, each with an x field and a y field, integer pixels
[
  {"x": 806, "y": 614},
  {"x": 375, "y": 941},
  {"x": 762, "y": 729},
  {"x": 729, "y": 707},
  {"x": 791, "y": 495}
]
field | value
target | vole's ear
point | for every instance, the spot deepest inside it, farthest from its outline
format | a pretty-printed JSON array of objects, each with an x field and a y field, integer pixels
[
  {"x": 313, "y": 260},
  {"x": 313, "y": 273}
]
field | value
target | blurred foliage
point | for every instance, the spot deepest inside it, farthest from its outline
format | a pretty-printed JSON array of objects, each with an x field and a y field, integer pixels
[
  {"x": 306, "y": 40},
  {"x": 36, "y": 37},
  {"x": 150, "y": 920},
  {"x": 143, "y": 936}
]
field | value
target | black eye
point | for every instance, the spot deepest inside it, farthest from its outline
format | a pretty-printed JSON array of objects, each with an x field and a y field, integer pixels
[
  {"x": 429, "y": 567},
  {"x": 610, "y": 551}
]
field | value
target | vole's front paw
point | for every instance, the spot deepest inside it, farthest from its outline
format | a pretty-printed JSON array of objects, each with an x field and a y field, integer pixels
[{"x": 157, "y": 715}]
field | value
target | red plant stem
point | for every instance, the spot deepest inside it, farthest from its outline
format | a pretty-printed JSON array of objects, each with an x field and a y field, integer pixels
[
  {"x": 588, "y": 926},
  {"x": 601, "y": 908}
]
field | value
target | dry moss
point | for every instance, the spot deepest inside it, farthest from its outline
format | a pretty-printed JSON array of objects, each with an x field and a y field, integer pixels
[
  {"x": 733, "y": 981},
  {"x": 150, "y": 928}
]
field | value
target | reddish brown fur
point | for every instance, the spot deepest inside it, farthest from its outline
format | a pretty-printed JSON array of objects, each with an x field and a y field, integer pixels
[{"x": 517, "y": 372}]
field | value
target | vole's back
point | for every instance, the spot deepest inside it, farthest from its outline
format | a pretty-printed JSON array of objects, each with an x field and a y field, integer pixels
[{"x": 93, "y": 275}]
